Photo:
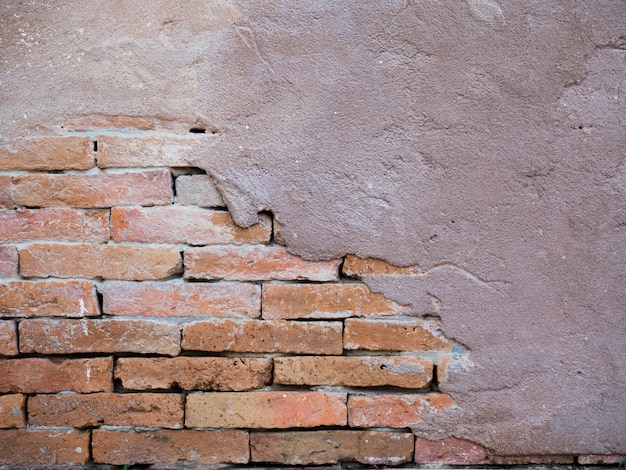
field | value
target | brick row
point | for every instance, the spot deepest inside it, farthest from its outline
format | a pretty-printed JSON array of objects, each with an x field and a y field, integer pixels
[
  {"x": 197, "y": 190},
  {"x": 47, "y": 153}
]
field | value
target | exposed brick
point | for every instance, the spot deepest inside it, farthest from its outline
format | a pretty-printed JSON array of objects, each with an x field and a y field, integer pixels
[
  {"x": 447, "y": 364},
  {"x": 328, "y": 447},
  {"x": 356, "y": 267},
  {"x": 103, "y": 190},
  {"x": 394, "y": 335},
  {"x": 395, "y": 411},
  {"x": 39, "y": 375},
  {"x": 161, "y": 410},
  {"x": 265, "y": 410},
  {"x": 156, "y": 299},
  {"x": 255, "y": 263},
  {"x": 46, "y": 336},
  {"x": 48, "y": 298},
  {"x": 599, "y": 459},
  {"x": 169, "y": 447},
  {"x": 190, "y": 225},
  {"x": 194, "y": 373},
  {"x": 47, "y": 153},
  {"x": 155, "y": 149},
  {"x": 264, "y": 336},
  {"x": 356, "y": 371},
  {"x": 8, "y": 338},
  {"x": 12, "y": 411},
  {"x": 8, "y": 261},
  {"x": 531, "y": 459},
  {"x": 54, "y": 224},
  {"x": 6, "y": 192},
  {"x": 197, "y": 190},
  {"x": 100, "y": 121},
  {"x": 325, "y": 301},
  {"x": 48, "y": 447},
  {"x": 450, "y": 451},
  {"x": 125, "y": 262}
]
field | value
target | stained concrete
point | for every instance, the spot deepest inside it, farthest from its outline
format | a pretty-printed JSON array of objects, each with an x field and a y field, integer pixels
[{"x": 482, "y": 140}]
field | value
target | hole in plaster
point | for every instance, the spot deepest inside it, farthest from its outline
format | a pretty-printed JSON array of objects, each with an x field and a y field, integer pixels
[
  {"x": 95, "y": 145},
  {"x": 197, "y": 130}
]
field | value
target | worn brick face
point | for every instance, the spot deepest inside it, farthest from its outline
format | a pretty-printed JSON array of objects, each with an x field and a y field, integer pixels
[
  {"x": 356, "y": 267},
  {"x": 47, "y": 153},
  {"x": 450, "y": 451},
  {"x": 197, "y": 190},
  {"x": 8, "y": 338},
  {"x": 46, "y": 447},
  {"x": 8, "y": 261},
  {"x": 6, "y": 192},
  {"x": 12, "y": 411},
  {"x": 394, "y": 335}
]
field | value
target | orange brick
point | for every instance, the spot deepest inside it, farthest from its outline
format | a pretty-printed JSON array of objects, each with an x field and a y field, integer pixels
[
  {"x": 46, "y": 447},
  {"x": 197, "y": 190},
  {"x": 194, "y": 373},
  {"x": 448, "y": 364},
  {"x": 8, "y": 338},
  {"x": 170, "y": 447},
  {"x": 6, "y": 192},
  {"x": 394, "y": 335},
  {"x": 54, "y": 224},
  {"x": 103, "y": 190},
  {"x": 255, "y": 263},
  {"x": 48, "y": 298},
  {"x": 264, "y": 336},
  {"x": 532, "y": 459},
  {"x": 157, "y": 299},
  {"x": 328, "y": 447},
  {"x": 395, "y": 411},
  {"x": 100, "y": 121},
  {"x": 190, "y": 225},
  {"x": 12, "y": 411},
  {"x": 39, "y": 375},
  {"x": 359, "y": 267},
  {"x": 291, "y": 301},
  {"x": 265, "y": 410},
  {"x": 46, "y": 336},
  {"x": 125, "y": 262},
  {"x": 162, "y": 410},
  {"x": 47, "y": 153},
  {"x": 450, "y": 451},
  {"x": 8, "y": 261},
  {"x": 356, "y": 371}
]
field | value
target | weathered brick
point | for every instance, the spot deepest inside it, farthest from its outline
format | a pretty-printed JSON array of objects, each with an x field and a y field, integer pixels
[
  {"x": 255, "y": 263},
  {"x": 265, "y": 410},
  {"x": 8, "y": 261},
  {"x": 39, "y": 375},
  {"x": 162, "y": 410},
  {"x": 600, "y": 459},
  {"x": 47, "y": 153},
  {"x": 54, "y": 224},
  {"x": 356, "y": 371},
  {"x": 12, "y": 411},
  {"x": 6, "y": 192},
  {"x": 169, "y": 447},
  {"x": 264, "y": 336},
  {"x": 394, "y": 335},
  {"x": 197, "y": 190},
  {"x": 328, "y": 447},
  {"x": 47, "y": 336},
  {"x": 395, "y": 411},
  {"x": 46, "y": 447},
  {"x": 8, "y": 338},
  {"x": 531, "y": 459},
  {"x": 125, "y": 262},
  {"x": 103, "y": 121},
  {"x": 155, "y": 149},
  {"x": 48, "y": 298},
  {"x": 450, "y": 451},
  {"x": 447, "y": 364},
  {"x": 103, "y": 190},
  {"x": 190, "y": 225},
  {"x": 157, "y": 299},
  {"x": 356, "y": 267},
  {"x": 194, "y": 373},
  {"x": 325, "y": 301}
]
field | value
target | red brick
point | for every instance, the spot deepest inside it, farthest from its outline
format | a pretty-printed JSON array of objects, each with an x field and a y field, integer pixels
[
  {"x": 102, "y": 190},
  {"x": 48, "y": 298},
  {"x": 100, "y": 121},
  {"x": 355, "y": 371},
  {"x": 255, "y": 263},
  {"x": 6, "y": 192},
  {"x": 328, "y": 447},
  {"x": 599, "y": 459},
  {"x": 394, "y": 335},
  {"x": 8, "y": 338},
  {"x": 264, "y": 336},
  {"x": 46, "y": 447},
  {"x": 190, "y": 225},
  {"x": 54, "y": 224},
  {"x": 395, "y": 411},
  {"x": 46, "y": 336},
  {"x": 325, "y": 301},
  {"x": 194, "y": 373},
  {"x": 170, "y": 447},
  {"x": 157, "y": 299},
  {"x": 162, "y": 410},
  {"x": 197, "y": 190},
  {"x": 12, "y": 411},
  {"x": 8, "y": 261},
  {"x": 450, "y": 451},
  {"x": 265, "y": 410},
  {"x": 39, "y": 375},
  {"x": 532, "y": 459},
  {"x": 125, "y": 262},
  {"x": 359, "y": 267},
  {"x": 47, "y": 153}
]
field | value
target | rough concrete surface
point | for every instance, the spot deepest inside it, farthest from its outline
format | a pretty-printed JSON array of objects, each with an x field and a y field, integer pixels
[{"x": 482, "y": 140}]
